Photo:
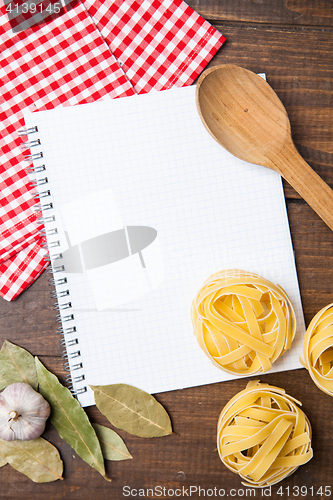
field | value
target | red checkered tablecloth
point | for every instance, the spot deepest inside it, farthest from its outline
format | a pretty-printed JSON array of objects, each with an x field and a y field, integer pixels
[
  {"x": 159, "y": 43},
  {"x": 94, "y": 49},
  {"x": 64, "y": 62}
]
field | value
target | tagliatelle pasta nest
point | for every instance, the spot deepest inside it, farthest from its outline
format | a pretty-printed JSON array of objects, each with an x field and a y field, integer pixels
[
  {"x": 242, "y": 321},
  {"x": 318, "y": 349},
  {"x": 263, "y": 435}
]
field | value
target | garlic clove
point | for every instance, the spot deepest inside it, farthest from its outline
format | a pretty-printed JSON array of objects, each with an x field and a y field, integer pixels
[{"x": 23, "y": 412}]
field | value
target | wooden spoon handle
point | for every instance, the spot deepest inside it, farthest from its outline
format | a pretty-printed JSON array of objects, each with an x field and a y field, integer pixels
[{"x": 305, "y": 181}]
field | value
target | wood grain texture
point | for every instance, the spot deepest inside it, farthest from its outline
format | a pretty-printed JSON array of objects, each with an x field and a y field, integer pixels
[
  {"x": 285, "y": 12},
  {"x": 291, "y": 41}
]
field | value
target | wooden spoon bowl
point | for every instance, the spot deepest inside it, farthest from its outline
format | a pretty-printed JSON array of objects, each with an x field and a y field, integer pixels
[{"x": 245, "y": 116}]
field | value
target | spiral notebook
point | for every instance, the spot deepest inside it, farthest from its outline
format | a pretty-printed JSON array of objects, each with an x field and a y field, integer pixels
[{"x": 140, "y": 206}]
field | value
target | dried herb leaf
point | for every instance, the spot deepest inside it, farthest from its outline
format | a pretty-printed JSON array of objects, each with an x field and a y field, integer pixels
[
  {"x": 38, "y": 459},
  {"x": 132, "y": 410},
  {"x": 3, "y": 460},
  {"x": 113, "y": 447},
  {"x": 70, "y": 420},
  {"x": 16, "y": 365}
]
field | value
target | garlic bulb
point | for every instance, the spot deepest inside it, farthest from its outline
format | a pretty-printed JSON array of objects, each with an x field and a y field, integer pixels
[{"x": 23, "y": 412}]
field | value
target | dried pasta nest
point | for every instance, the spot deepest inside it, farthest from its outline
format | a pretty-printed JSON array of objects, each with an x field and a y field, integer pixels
[
  {"x": 263, "y": 435},
  {"x": 242, "y": 321},
  {"x": 318, "y": 349}
]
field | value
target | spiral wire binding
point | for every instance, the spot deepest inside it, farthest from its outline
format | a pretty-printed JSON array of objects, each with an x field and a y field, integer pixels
[
  {"x": 33, "y": 156},
  {"x": 30, "y": 144},
  {"x": 63, "y": 305},
  {"x": 43, "y": 194},
  {"x": 27, "y": 131},
  {"x": 37, "y": 170}
]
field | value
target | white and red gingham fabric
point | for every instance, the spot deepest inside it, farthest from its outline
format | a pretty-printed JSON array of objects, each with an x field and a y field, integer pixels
[
  {"x": 159, "y": 43},
  {"x": 65, "y": 62},
  {"x": 96, "y": 48}
]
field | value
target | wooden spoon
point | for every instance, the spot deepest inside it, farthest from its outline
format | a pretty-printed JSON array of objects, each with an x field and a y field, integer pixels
[{"x": 245, "y": 116}]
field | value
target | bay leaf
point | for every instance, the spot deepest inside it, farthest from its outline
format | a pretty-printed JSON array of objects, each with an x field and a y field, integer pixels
[
  {"x": 3, "y": 460},
  {"x": 70, "y": 420},
  {"x": 113, "y": 447},
  {"x": 38, "y": 459},
  {"x": 132, "y": 410},
  {"x": 16, "y": 365}
]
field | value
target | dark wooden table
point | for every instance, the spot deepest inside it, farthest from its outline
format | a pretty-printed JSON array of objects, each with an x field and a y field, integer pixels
[{"x": 291, "y": 41}]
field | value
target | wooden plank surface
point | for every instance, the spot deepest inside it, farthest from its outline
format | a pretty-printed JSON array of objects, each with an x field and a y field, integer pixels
[
  {"x": 285, "y": 12},
  {"x": 291, "y": 41}
]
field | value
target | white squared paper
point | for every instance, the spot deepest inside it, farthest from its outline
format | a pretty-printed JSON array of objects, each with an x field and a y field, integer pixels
[{"x": 205, "y": 211}]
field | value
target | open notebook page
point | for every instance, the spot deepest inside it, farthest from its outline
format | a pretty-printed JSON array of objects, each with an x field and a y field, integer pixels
[{"x": 147, "y": 206}]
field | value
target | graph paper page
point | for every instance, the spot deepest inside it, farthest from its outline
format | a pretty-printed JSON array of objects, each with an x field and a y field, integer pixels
[{"x": 147, "y": 206}]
